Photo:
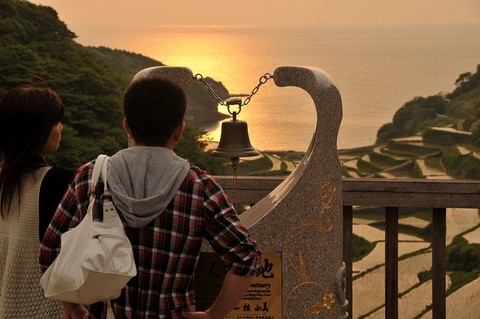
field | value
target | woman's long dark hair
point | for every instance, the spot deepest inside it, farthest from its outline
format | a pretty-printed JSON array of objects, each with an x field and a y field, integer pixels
[{"x": 27, "y": 115}]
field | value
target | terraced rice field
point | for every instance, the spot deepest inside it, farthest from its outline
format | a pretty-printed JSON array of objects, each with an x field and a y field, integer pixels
[
  {"x": 414, "y": 221},
  {"x": 276, "y": 162},
  {"x": 463, "y": 303},
  {"x": 460, "y": 220},
  {"x": 371, "y": 288},
  {"x": 431, "y": 172},
  {"x": 369, "y": 285},
  {"x": 412, "y": 303},
  {"x": 473, "y": 237}
]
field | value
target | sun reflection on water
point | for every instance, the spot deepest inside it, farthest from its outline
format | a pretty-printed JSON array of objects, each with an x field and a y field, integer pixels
[{"x": 210, "y": 51}]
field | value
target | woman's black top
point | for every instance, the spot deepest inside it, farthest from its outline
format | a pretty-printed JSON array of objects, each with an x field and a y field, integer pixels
[{"x": 52, "y": 189}]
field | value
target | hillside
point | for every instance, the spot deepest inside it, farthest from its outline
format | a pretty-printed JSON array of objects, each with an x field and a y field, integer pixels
[
  {"x": 432, "y": 137},
  {"x": 35, "y": 46},
  {"x": 202, "y": 106}
]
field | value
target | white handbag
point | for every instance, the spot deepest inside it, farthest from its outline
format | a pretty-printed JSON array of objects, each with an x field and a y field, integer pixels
[{"x": 96, "y": 258}]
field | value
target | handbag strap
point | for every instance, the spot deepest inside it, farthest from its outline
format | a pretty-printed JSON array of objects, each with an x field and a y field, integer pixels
[
  {"x": 97, "y": 170},
  {"x": 104, "y": 176},
  {"x": 100, "y": 169}
]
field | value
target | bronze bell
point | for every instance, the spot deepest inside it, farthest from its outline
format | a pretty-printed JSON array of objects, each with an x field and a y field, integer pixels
[{"x": 234, "y": 141}]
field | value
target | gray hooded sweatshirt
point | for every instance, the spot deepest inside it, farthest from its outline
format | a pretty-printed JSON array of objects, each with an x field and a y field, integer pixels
[{"x": 143, "y": 180}]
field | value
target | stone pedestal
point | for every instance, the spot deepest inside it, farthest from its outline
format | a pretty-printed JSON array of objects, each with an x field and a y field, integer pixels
[{"x": 302, "y": 217}]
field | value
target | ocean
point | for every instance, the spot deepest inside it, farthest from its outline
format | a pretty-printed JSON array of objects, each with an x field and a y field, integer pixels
[{"x": 376, "y": 71}]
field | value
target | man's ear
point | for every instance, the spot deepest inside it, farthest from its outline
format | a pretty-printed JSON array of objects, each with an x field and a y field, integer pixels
[
  {"x": 178, "y": 133},
  {"x": 127, "y": 129}
]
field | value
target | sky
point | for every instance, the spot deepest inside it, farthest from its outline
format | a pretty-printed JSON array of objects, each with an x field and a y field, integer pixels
[{"x": 82, "y": 15}]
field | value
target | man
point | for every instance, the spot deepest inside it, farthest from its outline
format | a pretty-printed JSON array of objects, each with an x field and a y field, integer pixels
[{"x": 168, "y": 207}]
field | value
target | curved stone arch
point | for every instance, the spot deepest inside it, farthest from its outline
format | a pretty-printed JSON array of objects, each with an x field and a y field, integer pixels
[{"x": 302, "y": 217}]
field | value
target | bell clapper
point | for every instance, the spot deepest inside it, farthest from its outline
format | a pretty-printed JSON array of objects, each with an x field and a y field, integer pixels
[{"x": 235, "y": 161}]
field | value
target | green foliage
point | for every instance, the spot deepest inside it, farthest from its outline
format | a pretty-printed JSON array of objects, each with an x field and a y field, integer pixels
[
  {"x": 413, "y": 117},
  {"x": 460, "y": 279},
  {"x": 193, "y": 147},
  {"x": 460, "y": 106},
  {"x": 25, "y": 23},
  {"x": 446, "y": 137},
  {"x": 461, "y": 166},
  {"x": 466, "y": 82},
  {"x": 463, "y": 260},
  {"x": 462, "y": 256},
  {"x": 36, "y": 44},
  {"x": 259, "y": 166},
  {"x": 432, "y": 126},
  {"x": 361, "y": 247},
  {"x": 425, "y": 276},
  {"x": 124, "y": 62}
]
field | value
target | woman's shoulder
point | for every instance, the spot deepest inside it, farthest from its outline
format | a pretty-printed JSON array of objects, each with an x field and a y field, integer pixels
[{"x": 59, "y": 174}]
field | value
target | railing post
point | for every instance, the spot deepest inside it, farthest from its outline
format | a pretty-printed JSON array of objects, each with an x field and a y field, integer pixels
[
  {"x": 391, "y": 262},
  {"x": 439, "y": 294},
  {"x": 348, "y": 255}
]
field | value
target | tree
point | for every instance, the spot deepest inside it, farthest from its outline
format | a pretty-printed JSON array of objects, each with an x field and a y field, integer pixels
[
  {"x": 466, "y": 82},
  {"x": 193, "y": 147},
  {"x": 413, "y": 117}
]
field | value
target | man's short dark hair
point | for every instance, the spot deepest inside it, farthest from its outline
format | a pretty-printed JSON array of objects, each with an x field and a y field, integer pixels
[{"x": 153, "y": 108}]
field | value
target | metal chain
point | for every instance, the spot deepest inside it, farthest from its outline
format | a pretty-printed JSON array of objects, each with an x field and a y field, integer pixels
[
  {"x": 199, "y": 77},
  {"x": 262, "y": 80}
]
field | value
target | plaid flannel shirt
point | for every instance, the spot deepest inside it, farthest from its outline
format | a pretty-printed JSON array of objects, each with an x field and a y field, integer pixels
[{"x": 167, "y": 249}]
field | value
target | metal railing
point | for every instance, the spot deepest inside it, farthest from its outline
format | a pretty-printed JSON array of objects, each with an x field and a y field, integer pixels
[{"x": 436, "y": 195}]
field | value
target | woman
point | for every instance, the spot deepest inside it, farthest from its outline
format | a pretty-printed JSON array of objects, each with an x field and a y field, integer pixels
[{"x": 30, "y": 190}]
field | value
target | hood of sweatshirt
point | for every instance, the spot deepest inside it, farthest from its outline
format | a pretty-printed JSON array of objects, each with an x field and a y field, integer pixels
[{"x": 143, "y": 180}]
